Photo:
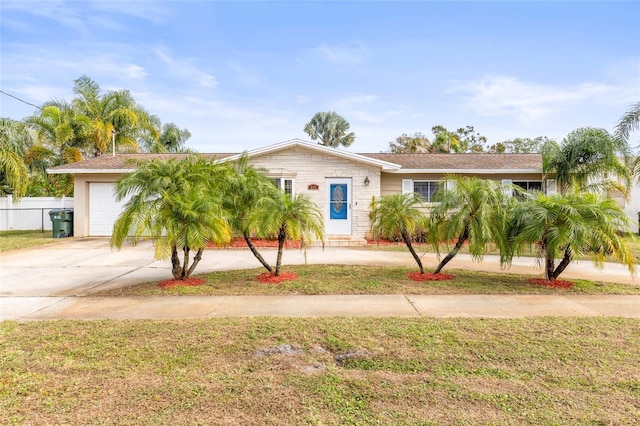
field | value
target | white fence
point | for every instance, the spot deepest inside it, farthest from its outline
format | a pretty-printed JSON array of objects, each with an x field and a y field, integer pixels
[{"x": 30, "y": 212}]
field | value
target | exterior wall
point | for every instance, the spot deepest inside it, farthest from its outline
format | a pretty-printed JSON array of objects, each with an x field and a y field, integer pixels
[
  {"x": 81, "y": 194},
  {"x": 312, "y": 168},
  {"x": 30, "y": 213},
  {"x": 631, "y": 206},
  {"x": 391, "y": 183}
]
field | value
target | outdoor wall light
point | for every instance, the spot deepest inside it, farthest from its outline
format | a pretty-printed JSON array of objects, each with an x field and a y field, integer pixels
[{"x": 366, "y": 181}]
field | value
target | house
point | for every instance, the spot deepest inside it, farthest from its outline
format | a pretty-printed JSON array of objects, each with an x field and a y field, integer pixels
[{"x": 342, "y": 183}]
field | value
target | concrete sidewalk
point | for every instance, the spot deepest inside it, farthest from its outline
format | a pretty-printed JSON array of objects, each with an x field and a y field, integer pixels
[
  {"x": 440, "y": 306},
  {"x": 57, "y": 282}
]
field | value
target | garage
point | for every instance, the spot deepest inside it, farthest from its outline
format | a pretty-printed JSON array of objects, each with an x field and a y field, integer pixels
[{"x": 103, "y": 208}]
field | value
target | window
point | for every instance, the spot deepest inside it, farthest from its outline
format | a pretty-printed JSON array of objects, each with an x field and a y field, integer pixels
[
  {"x": 283, "y": 183},
  {"x": 426, "y": 189},
  {"x": 529, "y": 185}
]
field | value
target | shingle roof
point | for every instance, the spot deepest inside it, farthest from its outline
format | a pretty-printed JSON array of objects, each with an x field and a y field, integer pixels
[
  {"x": 462, "y": 161},
  {"x": 124, "y": 162},
  {"x": 120, "y": 162}
]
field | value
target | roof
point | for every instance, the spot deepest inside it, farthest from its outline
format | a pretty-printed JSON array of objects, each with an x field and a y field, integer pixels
[
  {"x": 451, "y": 163},
  {"x": 119, "y": 163},
  {"x": 384, "y": 165},
  {"x": 388, "y": 162},
  {"x": 123, "y": 163}
]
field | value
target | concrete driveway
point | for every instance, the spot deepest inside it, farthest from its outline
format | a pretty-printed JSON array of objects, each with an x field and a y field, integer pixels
[{"x": 35, "y": 279}]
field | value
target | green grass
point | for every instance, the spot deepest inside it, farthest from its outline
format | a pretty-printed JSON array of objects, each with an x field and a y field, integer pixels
[
  {"x": 13, "y": 240},
  {"x": 352, "y": 279},
  {"x": 536, "y": 371},
  {"x": 632, "y": 240}
]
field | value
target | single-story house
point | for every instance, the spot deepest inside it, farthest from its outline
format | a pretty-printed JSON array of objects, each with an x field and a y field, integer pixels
[{"x": 342, "y": 183}]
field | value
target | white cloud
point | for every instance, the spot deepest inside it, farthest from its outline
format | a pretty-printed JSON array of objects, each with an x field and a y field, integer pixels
[
  {"x": 496, "y": 96},
  {"x": 55, "y": 10},
  {"x": 342, "y": 55},
  {"x": 153, "y": 11},
  {"x": 186, "y": 67}
]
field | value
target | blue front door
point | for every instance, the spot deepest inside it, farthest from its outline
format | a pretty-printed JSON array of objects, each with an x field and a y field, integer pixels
[{"x": 338, "y": 210}]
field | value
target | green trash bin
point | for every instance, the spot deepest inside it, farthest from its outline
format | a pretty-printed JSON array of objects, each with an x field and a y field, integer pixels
[{"x": 61, "y": 222}]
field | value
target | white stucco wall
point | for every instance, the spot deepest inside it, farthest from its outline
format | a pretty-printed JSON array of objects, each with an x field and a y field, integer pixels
[
  {"x": 81, "y": 195},
  {"x": 312, "y": 168}
]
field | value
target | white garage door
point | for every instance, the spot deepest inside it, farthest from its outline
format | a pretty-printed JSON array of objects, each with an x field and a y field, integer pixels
[{"x": 103, "y": 209}]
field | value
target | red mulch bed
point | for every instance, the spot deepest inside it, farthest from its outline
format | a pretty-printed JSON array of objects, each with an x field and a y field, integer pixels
[
  {"x": 428, "y": 276},
  {"x": 271, "y": 278},
  {"x": 552, "y": 283},
  {"x": 239, "y": 242},
  {"x": 189, "y": 282}
]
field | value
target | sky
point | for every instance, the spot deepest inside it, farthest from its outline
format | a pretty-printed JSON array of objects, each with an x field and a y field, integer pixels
[{"x": 242, "y": 75}]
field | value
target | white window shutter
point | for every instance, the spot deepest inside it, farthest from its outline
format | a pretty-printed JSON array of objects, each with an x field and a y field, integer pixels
[
  {"x": 506, "y": 187},
  {"x": 450, "y": 185},
  {"x": 552, "y": 187},
  {"x": 407, "y": 186}
]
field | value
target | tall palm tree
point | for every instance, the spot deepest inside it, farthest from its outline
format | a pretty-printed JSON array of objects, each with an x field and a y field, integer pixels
[
  {"x": 398, "y": 215},
  {"x": 112, "y": 113},
  {"x": 287, "y": 217},
  {"x": 171, "y": 139},
  {"x": 61, "y": 136},
  {"x": 467, "y": 209},
  {"x": 331, "y": 129},
  {"x": 586, "y": 160},
  {"x": 242, "y": 191},
  {"x": 178, "y": 205},
  {"x": 629, "y": 122},
  {"x": 567, "y": 227},
  {"x": 15, "y": 141}
]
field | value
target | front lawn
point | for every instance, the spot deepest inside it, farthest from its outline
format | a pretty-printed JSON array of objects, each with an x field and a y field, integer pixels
[
  {"x": 326, "y": 371},
  {"x": 632, "y": 240},
  {"x": 13, "y": 240},
  {"x": 352, "y": 279}
]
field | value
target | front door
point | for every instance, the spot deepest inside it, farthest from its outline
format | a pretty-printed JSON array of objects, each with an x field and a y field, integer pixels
[{"x": 338, "y": 206}]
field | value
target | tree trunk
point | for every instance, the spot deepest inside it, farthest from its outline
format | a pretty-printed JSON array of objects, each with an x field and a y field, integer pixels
[
  {"x": 566, "y": 260},
  {"x": 282, "y": 236},
  {"x": 176, "y": 270},
  {"x": 255, "y": 252},
  {"x": 196, "y": 260},
  {"x": 407, "y": 241},
  {"x": 183, "y": 275},
  {"x": 549, "y": 267},
  {"x": 461, "y": 239}
]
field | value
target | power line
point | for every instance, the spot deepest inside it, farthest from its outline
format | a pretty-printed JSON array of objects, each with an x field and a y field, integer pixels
[{"x": 21, "y": 100}]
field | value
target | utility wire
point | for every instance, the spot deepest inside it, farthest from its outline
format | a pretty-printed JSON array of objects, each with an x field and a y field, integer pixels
[{"x": 21, "y": 100}]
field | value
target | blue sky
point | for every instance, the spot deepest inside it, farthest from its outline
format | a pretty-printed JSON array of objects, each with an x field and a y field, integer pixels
[{"x": 240, "y": 75}]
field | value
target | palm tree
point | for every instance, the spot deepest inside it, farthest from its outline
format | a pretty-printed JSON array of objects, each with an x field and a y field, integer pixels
[
  {"x": 242, "y": 192},
  {"x": 178, "y": 205},
  {"x": 287, "y": 217},
  {"x": 567, "y": 227},
  {"x": 586, "y": 160},
  {"x": 15, "y": 141},
  {"x": 398, "y": 215},
  {"x": 629, "y": 122},
  {"x": 171, "y": 139},
  {"x": 331, "y": 129},
  {"x": 467, "y": 209},
  {"x": 114, "y": 112}
]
